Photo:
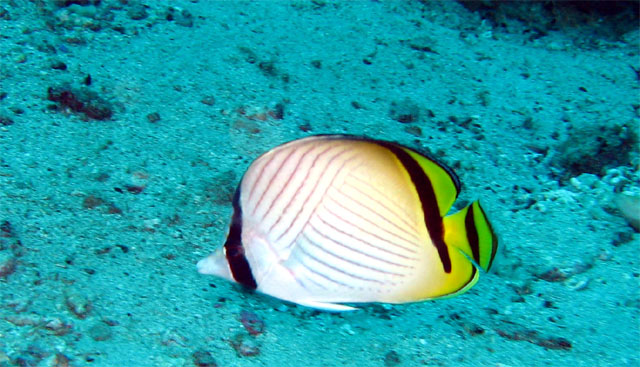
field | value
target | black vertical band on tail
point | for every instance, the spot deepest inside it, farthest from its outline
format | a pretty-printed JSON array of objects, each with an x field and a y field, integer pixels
[
  {"x": 234, "y": 250},
  {"x": 427, "y": 196},
  {"x": 472, "y": 234}
]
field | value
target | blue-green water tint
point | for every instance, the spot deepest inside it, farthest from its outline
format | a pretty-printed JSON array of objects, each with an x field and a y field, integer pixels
[{"x": 124, "y": 129}]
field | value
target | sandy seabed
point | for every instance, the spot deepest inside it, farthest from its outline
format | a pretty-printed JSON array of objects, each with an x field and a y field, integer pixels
[{"x": 125, "y": 127}]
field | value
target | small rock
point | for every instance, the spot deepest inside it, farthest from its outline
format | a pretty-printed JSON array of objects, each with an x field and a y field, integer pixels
[
  {"x": 4, "y": 14},
  {"x": 32, "y": 356},
  {"x": 5, "y": 121},
  {"x": 61, "y": 360},
  {"x": 6, "y": 229},
  {"x": 282, "y": 308},
  {"x": 153, "y": 117},
  {"x": 81, "y": 100},
  {"x": 346, "y": 329},
  {"x": 252, "y": 322},
  {"x": 203, "y": 358},
  {"x": 58, "y": 65},
  {"x": 100, "y": 332},
  {"x": 414, "y": 130},
  {"x": 391, "y": 359},
  {"x": 79, "y": 305},
  {"x": 181, "y": 17},
  {"x": 244, "y": 345},
  {"x": 91, "y": 202},
  {"x": 137, "y": 12},
  {"x": 208, "y": 100},
  {"x": 404, "y": 111},
  {"x": 7, "y": 265},
  {"x": 20, "y": 58},
  {"x": 629, "y": 206},
  {"x": 553, "y": 275},
  {"x": 578, "y": 283},
  {"x": 57, "y": 326}
]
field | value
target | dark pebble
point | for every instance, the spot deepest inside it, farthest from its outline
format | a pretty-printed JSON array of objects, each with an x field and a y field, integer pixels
[
  {"x": 208, "y": 100},
  {"x": 245, "y": 346},
  {"x": 137, "y": 12},
  {"x": 80, "y": 100},
  {"x": 278, "y": 111},
  {"x": 5, "y": 121},
  {"x": 182, "y": 18},
  {"x": 391, "y": 359},
  {"x": 100, "y": 332},
  {"x": 58, "y": 65},
  {"x": 91, "y": 202},
  {"x": 306, "y": 127},
  {"x": 268, "y": 68},
  {"x": 404, "y": 111},
  {"x": 153, "y": 117},
  {"x": 414, "y": 130},
  {"x": 4, "y": 14},
  {"x": 203, "y": 358}
]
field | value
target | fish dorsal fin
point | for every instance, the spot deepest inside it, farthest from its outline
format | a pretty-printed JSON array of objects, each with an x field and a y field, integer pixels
[{"x": 444, "y": 182}]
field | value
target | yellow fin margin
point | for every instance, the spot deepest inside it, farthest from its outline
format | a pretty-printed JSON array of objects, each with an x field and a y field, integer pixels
[{"x": 445, "y": 183}]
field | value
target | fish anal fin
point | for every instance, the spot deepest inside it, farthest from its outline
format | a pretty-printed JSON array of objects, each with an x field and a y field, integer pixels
[{"x": 326, "y": 306}]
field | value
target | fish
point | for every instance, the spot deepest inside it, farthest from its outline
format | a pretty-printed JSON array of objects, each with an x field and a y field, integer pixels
[{"x": 333, "y": 221}]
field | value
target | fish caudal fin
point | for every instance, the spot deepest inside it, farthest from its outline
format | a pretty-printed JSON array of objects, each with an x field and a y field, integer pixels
[{"x": 470, "y": 232}]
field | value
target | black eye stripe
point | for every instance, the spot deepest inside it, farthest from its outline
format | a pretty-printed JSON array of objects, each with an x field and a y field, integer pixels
[{"x": 234, "y": 249}]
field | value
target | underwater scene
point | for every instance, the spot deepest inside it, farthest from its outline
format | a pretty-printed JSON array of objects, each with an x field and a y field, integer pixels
[{"x": 319, "y": 183}]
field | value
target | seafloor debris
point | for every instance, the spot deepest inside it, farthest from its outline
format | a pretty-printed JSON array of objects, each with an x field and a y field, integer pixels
[
  {"x": 594, "y": 149},
  {"x": 404, "y": 111},
  {"x": 91, "y": 202},
  {"x": 78, "y": 304},
  {"x": 100, "y": 332},
  {"x": 553, "y": 275},
  {"x": 560, "y": 275},
  {"x": 80, "y": 100},
  {"x": 182, "y": 17},
  {"x": 10, "y": 249},
  {"x": 629, "y": 206},
  {"x": 153, "y": 117},
  {"x": 208, "y": 100},
  {"x": 532, "y": 336},
  {"x": 603, "y": 19},
  {"x": 203, "y": 358},
  {"x": 251, "y": 322},
  {"x": 7, "y": 266},
  {"x": 245, "y": 345},
  {"x": 5, "y": 121},
  {"x": 391, "y": 359},
  {"x": 60, "y": 360},
  {"x": 6, "y": 229},
  {"x": 137, "y": 11}
]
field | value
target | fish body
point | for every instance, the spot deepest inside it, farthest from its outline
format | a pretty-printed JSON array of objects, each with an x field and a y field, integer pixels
[{"x": 332, "y": 219}]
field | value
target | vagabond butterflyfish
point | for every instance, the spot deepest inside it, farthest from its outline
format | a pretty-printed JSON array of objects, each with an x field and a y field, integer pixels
[{"x": 332, "y": 220}]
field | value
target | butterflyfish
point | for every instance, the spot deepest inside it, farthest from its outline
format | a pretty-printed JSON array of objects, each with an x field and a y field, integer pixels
[{"x": 332, "y": 220}]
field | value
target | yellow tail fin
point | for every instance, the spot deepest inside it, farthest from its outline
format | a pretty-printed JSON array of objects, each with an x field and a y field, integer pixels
[{"x": 470, "y": 232}]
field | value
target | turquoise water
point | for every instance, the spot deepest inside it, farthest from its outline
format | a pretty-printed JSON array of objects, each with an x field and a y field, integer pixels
[{"x": 126, "y": 126}]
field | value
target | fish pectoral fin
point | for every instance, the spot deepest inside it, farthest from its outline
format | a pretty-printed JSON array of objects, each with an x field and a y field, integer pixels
[{"x": 333, "y": 307}]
